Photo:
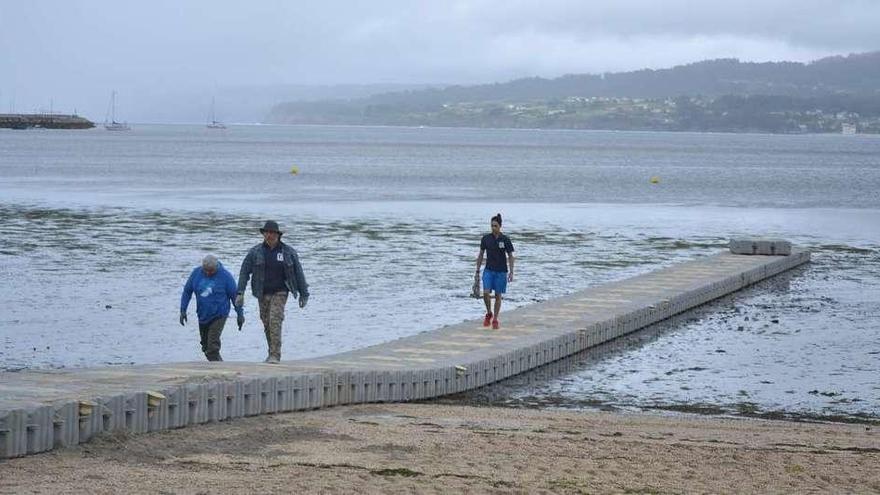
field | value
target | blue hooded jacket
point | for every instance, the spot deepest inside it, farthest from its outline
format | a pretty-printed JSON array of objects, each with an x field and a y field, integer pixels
[{"x": 213, "y": 294}]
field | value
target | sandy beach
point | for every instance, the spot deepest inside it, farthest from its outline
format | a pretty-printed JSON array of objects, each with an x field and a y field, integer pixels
[{"x": 430, "y": 448}]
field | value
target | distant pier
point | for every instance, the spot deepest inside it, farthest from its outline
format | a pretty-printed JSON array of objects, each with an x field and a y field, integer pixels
[
  {"x": 42, "y": 410},
  {"x": 43, "y": 121}
]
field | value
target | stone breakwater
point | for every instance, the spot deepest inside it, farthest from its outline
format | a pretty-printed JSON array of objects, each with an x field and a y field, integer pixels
[
  {"x": 44, "y": 121},
  {"x": 42, "y": 410}
]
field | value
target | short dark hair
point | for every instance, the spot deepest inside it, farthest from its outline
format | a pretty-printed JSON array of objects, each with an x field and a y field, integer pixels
[{"x": 497, "y": 218}]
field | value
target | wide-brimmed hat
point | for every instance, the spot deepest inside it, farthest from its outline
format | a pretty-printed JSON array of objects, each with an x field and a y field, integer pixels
[{"x": 271, "y": 226}]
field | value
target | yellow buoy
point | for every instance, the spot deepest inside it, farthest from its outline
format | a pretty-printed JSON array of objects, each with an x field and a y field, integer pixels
[
  {"x": 655, "y": 180},
  {"x": 294, "y": 170}
]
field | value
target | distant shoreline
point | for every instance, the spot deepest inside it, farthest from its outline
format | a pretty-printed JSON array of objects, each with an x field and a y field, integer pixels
[
  {"x": 519, "y": 129},
  {"x": 864, "y": 132}
]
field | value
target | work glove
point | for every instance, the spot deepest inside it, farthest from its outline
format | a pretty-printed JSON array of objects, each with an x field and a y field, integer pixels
[
  {"x": 239, "y": 300},
  {"x": 475, "y": 290},
  {"x": 240, "y": 321},
  {"x": 303, "y": 300},
  {"x": 182, "y": 318}
]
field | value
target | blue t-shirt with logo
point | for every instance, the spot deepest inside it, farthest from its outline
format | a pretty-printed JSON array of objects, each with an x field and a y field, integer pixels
[{"x": 496, "y": 251}]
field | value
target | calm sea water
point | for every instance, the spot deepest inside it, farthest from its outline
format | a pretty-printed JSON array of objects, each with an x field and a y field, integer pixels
[{"x": 99, "y": 230}]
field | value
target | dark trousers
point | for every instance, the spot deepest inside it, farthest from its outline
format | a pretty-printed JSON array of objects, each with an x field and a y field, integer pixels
[{"x": 210, "y": 333}]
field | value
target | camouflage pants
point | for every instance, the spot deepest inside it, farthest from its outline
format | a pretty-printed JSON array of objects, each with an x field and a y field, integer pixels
[
  {"x": 272, "y": 315},
  {"x": 210, "y": 334}
]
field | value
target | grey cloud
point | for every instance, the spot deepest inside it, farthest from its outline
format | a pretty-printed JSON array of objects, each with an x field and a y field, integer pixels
[
  {"x": 815, "y": 23},
  {"x": 79, "y": 50}
]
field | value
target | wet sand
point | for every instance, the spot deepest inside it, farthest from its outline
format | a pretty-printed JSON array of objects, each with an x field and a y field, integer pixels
[{"x": 431, "y": 448}]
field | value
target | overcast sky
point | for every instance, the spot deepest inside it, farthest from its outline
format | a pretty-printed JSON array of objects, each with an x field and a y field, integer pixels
[{"x": 74, "y": 52}]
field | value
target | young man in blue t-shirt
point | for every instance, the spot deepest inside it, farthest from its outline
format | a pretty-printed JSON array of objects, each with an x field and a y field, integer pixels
[{"x": 499, "y": 254}]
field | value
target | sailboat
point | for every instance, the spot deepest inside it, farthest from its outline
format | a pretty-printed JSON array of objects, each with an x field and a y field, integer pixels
[
  {"x": 113, "y": 125},
  {"x": 214, "y": 124}
]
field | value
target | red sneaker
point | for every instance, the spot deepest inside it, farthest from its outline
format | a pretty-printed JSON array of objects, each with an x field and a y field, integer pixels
[
  {"x": 495, "y": 324},
  {"x": 487, "y": 320}
]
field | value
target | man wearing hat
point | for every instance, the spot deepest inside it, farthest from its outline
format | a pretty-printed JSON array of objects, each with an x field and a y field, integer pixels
[{"x": 274, "y": 270}]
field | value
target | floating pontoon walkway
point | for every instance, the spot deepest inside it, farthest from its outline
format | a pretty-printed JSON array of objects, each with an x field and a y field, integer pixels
[{"x": 41, "y": 410}]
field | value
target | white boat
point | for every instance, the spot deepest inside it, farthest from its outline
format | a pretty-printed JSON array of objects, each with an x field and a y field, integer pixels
[
  {"x": 112, "y": 125},
  {"x": 117, "y": 126},
  {"x": 214, "y": 124}
]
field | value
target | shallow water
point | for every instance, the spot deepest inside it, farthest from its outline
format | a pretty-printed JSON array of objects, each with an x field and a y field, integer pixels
[
  {"x": 802, "y": 345},
  {"x": 98, "y": 233}
]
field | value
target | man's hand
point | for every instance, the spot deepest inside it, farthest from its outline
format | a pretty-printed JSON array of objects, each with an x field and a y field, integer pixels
[
  {"x": 182, "y": 318},
  {"x": 303, "y": 300},
  {"x": 510, "y": 276},
  {"x": 240, "y": 321},
  {"x": 239, "y": 301}
]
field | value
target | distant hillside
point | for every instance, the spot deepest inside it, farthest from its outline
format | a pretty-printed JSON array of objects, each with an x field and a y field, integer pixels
[{"x": 850, "y": 84}]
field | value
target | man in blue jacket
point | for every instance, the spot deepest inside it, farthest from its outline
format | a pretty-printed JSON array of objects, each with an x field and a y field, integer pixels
[
  {"x": 275, "y": 271},
  {"x": 215, "y": 289}
]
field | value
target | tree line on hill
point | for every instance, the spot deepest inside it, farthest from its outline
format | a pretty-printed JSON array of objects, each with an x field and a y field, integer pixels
[{"x": 716, "y": 95}]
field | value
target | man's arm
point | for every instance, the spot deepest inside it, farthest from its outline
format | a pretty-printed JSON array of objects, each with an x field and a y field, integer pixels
[
  {"x": 232, "y": 294},
  {"x": 510, "y": 264},
  {"x": 301, "y": 284},
  {"x": 244, "y": 274},
  {"x": 480, "y": 256},
  {"x": 187, "y": 293},
  {"x": 302, "y": 287},
  {"x": 186, "y": 296}
]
